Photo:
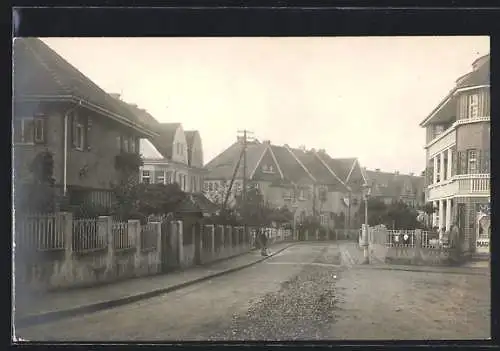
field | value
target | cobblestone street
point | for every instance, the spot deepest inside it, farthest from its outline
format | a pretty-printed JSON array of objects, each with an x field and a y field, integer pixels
[{"x": 309, "y": 291}]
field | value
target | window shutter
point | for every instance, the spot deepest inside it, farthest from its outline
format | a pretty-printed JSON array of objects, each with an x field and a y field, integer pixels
[
  {"x": 453, "y": 162},
  {"x": 72, "y": 128},
  {"x": 18, "y": 131},
  {"x": 463, "y": 162},
  {"x": 45, "y": 126},
  {"x": 486, "y": 162},
  {"x": 88, "y": 133}
]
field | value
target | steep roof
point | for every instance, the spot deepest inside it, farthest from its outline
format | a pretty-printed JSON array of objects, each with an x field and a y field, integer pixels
[
  {"x": 40, "y": 73},
  {"x": 190, "y": 134},
  {"x": 318, "y": 170},
  {"x": 340, "y": 166},
  {"x": 292, "y": 170},
  {"x": 222, "y": 166},
  {"x": 149, "y": 151}
]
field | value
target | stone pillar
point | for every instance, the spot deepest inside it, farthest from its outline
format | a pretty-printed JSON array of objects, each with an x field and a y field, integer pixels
[
  {"x": 229, "y": 232},
  {"x": 434, "y": 174},
  {"x": 134, "y": 231},
  {"x": 66, "y": 220},
  {"x": 441, "y": 166},
  {"x": 448, "y": 215},
  {"x": 106, "y": 226},
  {"x": 450, "y": 166},
  {"x": 435, "y": 223},
  {"x": 441, "y": 215},
  {"x": 180, "y": 236},
  {"x": 212, "y": 241}
]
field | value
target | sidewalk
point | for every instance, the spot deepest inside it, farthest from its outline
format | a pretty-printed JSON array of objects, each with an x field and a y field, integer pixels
[
  {"x": 354, "y": 256},
  {"x": 56, "y": 305}
]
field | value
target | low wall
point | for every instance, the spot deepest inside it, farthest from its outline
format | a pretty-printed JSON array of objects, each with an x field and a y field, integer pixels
[
  {"x": 409, "y": 254},
  {"x": 67, "y": 268}
]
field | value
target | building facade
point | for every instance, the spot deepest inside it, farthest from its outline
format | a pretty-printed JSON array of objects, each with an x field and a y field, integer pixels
[
  {"x": 458, "y": 157},
  {"x": 172, "y": 155},
  {"x": 308, "y": 182},
  {"x": 58, "y": 109},
  {"x": 390, "y": 187}
]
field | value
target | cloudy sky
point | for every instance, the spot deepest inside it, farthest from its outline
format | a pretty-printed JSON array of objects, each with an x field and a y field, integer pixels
[{"x": 354, "y": 97}]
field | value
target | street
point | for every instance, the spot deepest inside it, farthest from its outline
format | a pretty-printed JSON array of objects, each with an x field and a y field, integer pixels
[{"x": 309, "y": 291}]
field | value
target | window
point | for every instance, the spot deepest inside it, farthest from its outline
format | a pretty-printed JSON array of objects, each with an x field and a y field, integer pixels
[
  {"x": 267, "y": 169},
  {"x": 168, "y": 177},
  {"x": 472, "y": 161},
  {"x": 119, "y": 142},
  {"x": 438, "y": 129},
  {"x": 79, "y": 139},
  {"x": 30, "y": 130},
  {"x": 473, "y": 107},
  {"x": 125, "y": 144},
  {"x": 216, "y": 186},
  {"x": 205, "y": 186},
  {"x": 160, "y": 177},
  {"x": 302, "y": 194},
  {"x": 132, "y": 144},
  {"x": 210, "y": 186},
  {"x": 146, "y": 177}
]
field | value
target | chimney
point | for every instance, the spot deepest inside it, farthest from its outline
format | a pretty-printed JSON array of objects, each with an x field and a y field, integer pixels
[
  {"x": 286, "y": 145},
  {"x": 302, "y": 147},
  {"x": 396, "y": 172},
  {"x": 412, "y": 174},
  {"x": 321, "y": 151},
  {"x": 377, "y": 169},
  {"x": 268, "y": 142},
  {"x": 115, "y": 95}
]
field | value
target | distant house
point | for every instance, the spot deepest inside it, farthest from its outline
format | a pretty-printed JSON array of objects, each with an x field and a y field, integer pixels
[
  {"x": 57, "y": 108},
  {"x": 305, "y": 181},
  {"x": 172, "y": 155},
  {"x": 393, "y": 187}
]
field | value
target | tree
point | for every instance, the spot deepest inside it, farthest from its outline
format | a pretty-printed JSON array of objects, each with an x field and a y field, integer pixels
[
  {"x": 139, "y": 201},
  {"x": 397, "y": 215}
]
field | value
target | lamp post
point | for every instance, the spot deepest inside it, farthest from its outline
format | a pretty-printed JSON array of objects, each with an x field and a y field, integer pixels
[
  {"x": 295, "y": 207},
  {"x": 366, "y": 194}
]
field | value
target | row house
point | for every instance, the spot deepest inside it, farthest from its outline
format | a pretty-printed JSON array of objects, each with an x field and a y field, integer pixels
[
  {"x": 172, "y": 156},
  {"x": 390, "y": 187},
  {"x": 458, "y": 155},
  {"x": 308, "y": 182},
  {"x": 58, "y": 109}
]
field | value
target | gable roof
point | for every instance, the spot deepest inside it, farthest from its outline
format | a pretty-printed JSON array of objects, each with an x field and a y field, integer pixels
[
  {"x": 222, "y": 166},
  {"x": 292, "y": 170},
  {"x": 39, "y": 73},
  {"x": 190, "y": 135}
]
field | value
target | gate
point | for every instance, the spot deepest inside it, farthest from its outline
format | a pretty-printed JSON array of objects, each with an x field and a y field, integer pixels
[{"x": 169, "y": 247}]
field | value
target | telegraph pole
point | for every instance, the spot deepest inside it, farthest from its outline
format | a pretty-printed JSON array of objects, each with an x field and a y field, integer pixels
[{"x": 244, "y": 152}]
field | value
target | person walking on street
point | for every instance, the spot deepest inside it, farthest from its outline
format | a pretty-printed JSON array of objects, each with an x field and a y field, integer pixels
[{"x": 263, "y": 243}]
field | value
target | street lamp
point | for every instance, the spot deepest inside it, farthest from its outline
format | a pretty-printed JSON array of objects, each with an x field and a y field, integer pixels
[
  {"x": 365, "y": 244},
  {"x": 295, "y": 207}
]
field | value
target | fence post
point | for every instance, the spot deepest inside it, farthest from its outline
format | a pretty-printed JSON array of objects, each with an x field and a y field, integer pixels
[
  {"x": 418, "y": 245},
  {"x": 212, "y": 241},
  {"x": 134, "y": 231},
  {"x": 106, "y": 225},
  {"x": 230, "y": 240},
  {"x": 66, "y": 220},
  {"x": 180, "y": 228}
]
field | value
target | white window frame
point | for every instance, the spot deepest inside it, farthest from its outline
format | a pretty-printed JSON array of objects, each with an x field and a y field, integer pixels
[
  {"x": 160, "y": 179},
  {"x": 148, "y": 177},
  {"x": 131, "y": 142},
  {"x": 36, "y": 122},
  {"x": 80, "y": 134},
  {"x": 471, "y": 159},
  {"x": 473, "y": 106}
]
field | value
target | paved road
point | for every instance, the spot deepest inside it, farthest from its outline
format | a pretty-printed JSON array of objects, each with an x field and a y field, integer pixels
[{"x": 309, "y": 291}]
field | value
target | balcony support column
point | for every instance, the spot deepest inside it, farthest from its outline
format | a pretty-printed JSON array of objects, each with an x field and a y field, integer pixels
[
  {"x": 450, "y": 166},
  {"x": 434, "y": 174},
  {"x": 441, "y": 167},
  {"x": 448, "y": 215},
  {"x": 441, "y": 217}
]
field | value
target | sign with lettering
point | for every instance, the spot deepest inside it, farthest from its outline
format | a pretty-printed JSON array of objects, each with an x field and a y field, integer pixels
[{"x": 483, "y": 245}]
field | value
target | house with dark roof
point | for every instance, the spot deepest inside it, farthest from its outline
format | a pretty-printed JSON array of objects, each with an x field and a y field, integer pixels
[
  {"x": 303, "y": 180},
  {"x": 458, "y": 156},
  {"x": 59, "y": 109},
  {"x": 173, "y": 155},
  {"x": 390, "y": 187}
]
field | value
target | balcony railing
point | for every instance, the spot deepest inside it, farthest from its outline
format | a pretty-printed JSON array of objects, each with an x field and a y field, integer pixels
[
  {"x": 464, "y": 184},
  {"x": 473, "y": 183}
]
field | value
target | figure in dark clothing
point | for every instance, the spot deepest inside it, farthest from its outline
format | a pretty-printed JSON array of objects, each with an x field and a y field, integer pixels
[{"x": 263, "y": 244}]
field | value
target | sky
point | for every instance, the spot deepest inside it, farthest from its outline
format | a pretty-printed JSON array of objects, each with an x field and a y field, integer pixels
[{"x": 358, "y": 97}]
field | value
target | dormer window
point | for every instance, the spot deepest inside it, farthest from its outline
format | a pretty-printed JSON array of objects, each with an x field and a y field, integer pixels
[{"x": 267, "y": 169}]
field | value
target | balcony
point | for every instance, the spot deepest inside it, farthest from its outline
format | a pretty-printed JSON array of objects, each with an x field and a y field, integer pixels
[
  {"x": 443, "y": 141},
  {"x": 465, "y": 184},
  {"x": 473, "y": 184},
  {"x": 442, "y": 189}
]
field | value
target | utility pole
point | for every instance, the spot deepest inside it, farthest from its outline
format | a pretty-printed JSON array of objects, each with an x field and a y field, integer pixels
[{"x": 245, "y": 138}]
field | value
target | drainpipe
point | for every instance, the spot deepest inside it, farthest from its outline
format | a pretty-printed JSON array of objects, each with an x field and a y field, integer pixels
[{"x": 65, "y": 155}]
